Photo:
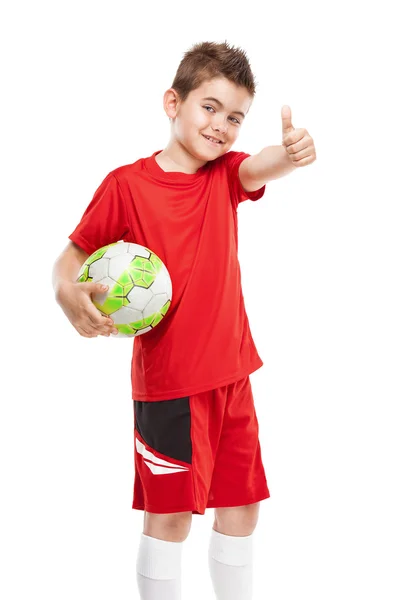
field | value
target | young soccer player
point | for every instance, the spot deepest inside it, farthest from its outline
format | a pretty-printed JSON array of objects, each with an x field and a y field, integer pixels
[{"x": 195, "y": 425}]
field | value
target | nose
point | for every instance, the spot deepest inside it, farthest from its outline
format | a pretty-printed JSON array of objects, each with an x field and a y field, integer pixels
[{"x": 221, "y": 128}]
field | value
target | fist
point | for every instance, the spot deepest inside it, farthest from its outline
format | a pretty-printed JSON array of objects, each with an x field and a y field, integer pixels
[{"x": 298, "y": 143}]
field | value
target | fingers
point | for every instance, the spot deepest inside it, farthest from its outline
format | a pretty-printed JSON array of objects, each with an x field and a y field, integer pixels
[
  {"x": 93, "y": 332},
  {"x": 91, "y": 322},
  {"x": 96, "y": 324},
  {"x": 104, "y": 325},
  {"x": 84, "y": 332}
]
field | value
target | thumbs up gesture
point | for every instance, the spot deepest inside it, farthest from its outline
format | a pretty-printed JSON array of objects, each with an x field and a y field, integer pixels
[{"x": 298, "y": 143}]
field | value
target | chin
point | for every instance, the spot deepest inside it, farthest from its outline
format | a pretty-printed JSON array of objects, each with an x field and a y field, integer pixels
[
  {"x": 204, "y": 155},
  {"x": 210, "y": 154}
]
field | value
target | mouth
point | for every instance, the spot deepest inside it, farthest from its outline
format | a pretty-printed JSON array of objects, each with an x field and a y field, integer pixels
[{"x": 212, "y": 141}]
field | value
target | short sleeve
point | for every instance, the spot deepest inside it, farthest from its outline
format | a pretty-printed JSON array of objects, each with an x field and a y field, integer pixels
[
  {"x": 104, "y": 220},
  {"x": 238, "y": 193}
]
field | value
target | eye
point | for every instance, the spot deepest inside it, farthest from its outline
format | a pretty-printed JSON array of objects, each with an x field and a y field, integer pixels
[{"x": 233, "y": 118}]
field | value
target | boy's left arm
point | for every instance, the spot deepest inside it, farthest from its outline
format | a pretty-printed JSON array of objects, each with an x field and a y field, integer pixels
[{"x": 297, "y": 150}]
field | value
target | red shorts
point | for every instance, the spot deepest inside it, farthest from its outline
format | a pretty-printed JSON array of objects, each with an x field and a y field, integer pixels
[{"x": 198, "y": 452}]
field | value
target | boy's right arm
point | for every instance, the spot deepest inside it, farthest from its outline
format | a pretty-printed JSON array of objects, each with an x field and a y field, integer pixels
[
  {"x": 67, "y": 265},
  {"x": 75, "y": 297}
]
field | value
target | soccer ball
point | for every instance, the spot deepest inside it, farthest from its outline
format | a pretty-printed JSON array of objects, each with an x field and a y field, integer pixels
[{"x": 139, "y": 286}]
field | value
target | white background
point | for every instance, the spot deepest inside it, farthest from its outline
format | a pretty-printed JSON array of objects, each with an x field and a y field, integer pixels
[{"x": 82, "y": 94}]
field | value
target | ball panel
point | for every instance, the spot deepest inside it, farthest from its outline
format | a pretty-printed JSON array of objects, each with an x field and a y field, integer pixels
[
  {"x": 83, "y": 274},
  {"x": 116, "y": 249},
  {"x": 168, "y": 285},
  {"x": 142, "y": 272},
  {"x": 155, "y": 304},
  {"x": 137, "y": 250},
  {"x": 159, "y": 284},
  {"x": 156, "y": 261},
  {"x": 98, "y": 254},
  {"x": 145, "y": 330},
  {"x": 165, "y": 308},
  {"x": 140, "y": 297},
  {"x": 131, "y": 316},
  {"x": 118, "y": 264},
  {"x": 99, "y": 269},
  {"x": 93, "y": 270}
]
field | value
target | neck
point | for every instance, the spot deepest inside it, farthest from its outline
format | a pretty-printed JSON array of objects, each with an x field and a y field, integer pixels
[{"x": 176, "y": 158}]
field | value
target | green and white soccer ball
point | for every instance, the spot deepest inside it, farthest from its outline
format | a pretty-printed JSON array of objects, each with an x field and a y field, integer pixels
[{"x": 139, "y": 286}]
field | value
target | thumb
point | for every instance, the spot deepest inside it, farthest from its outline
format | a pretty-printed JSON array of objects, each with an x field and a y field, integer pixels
[
  {"x": 96, "y": 288},
  {"x": 286, "y": 115}
]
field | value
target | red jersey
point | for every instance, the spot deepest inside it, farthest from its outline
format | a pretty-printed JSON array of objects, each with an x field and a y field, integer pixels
[{"x": 190, "y": 222}]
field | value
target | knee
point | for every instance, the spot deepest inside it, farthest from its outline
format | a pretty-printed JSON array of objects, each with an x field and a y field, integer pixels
[
  {"x": 238, "y": 520},
  {"x": 174, "y": 527}
]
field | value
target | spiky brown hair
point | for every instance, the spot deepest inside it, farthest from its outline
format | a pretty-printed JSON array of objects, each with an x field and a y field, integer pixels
[{"x": 208, "y": 60}]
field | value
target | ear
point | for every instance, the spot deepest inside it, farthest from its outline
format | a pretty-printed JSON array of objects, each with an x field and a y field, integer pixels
[{"x": 171, "y": 103}]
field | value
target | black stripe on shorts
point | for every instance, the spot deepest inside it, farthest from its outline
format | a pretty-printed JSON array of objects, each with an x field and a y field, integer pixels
[{"x": 165, "y": 426}]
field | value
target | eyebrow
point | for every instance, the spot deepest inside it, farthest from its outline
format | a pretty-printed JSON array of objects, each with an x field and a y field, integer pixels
[{"x": 237, "y": 112}]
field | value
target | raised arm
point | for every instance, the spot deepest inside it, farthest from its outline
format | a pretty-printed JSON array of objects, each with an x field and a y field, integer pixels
[{"x": 297, "y": 150}]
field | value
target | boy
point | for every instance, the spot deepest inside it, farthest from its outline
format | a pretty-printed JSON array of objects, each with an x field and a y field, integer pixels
[{"x": 195, "y": 425}]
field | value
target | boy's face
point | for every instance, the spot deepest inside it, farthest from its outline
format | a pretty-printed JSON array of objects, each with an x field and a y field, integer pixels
[{"x": 199, "y": 116}]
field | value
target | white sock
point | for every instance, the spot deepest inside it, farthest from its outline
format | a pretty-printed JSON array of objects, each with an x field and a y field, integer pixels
[
  {"x": 230, "y": 560},
  {"x": 158, "y": 569}
]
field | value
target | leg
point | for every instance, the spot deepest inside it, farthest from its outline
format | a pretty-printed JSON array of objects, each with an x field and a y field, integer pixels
[
  {"x": 238, "y": 485},
  {"x": 173, "y": 527},
  {"x": 230, "y": 551},
  {"x": 238, "y": 520},
  {"x": 163, "y": 481},
  {"x": 159, "y": 558}
]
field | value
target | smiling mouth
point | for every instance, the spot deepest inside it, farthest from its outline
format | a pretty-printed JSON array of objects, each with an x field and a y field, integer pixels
[{"x": 212, "y": 141}]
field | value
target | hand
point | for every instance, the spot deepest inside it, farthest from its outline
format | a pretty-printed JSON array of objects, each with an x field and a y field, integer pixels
[
  {"x": 298, "y": 142},
  {"x": 75, "y": 301}
]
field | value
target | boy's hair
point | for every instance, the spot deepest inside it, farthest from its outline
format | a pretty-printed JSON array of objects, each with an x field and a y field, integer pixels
[{"x": 208, "y": 60}]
